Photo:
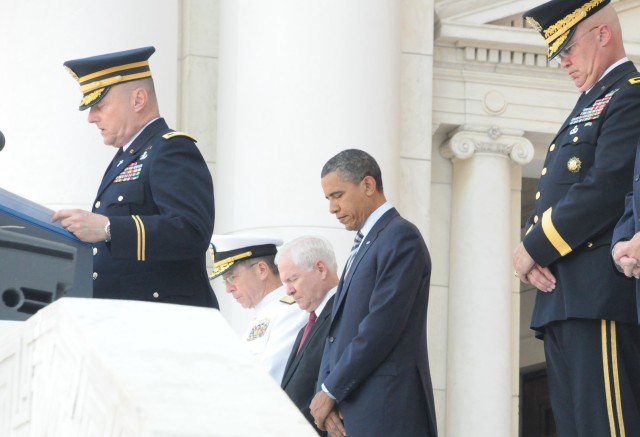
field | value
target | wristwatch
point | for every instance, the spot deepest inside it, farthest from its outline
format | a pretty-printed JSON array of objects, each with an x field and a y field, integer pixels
[{"x": 107, "y": 231}]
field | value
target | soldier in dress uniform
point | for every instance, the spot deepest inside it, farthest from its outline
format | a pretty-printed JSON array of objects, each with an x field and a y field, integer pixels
[
  {"x": 246, "y": 263},
  {"x": 585, "y": 311},
  {"x": 153, "y": 216}
]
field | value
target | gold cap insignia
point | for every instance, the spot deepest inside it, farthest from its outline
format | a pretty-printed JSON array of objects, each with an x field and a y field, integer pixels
[
  {"x": 221, "y": 266},
  {"x": 556, "y": 20},
  {"x": 70, "y": 71},
  {"x": 96, "y": 74},
  {"x": 533, "y": 23}
]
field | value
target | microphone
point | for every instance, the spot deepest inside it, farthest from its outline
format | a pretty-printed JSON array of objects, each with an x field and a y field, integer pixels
[{"x": 1, "y": 141}]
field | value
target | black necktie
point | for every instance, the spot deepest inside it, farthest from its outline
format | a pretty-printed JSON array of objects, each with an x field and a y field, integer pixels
[{"x": 116, "y": 158}]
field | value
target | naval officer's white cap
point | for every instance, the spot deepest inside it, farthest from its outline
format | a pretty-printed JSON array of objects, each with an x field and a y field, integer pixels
[{"x": 228, "y": 249}]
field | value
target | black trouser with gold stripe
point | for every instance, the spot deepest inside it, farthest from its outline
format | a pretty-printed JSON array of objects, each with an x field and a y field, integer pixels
[{"x": 593, "y": 369}]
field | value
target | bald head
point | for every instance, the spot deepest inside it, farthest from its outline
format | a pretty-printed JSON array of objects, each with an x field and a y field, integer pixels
[
  {"x": 607, "y": 19},
  {"x": 142, "y": 93},
  {"x": 595, "y": 45}
]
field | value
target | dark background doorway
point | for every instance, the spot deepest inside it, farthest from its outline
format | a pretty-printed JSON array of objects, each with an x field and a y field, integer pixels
[{"x": 536, "y": 414}]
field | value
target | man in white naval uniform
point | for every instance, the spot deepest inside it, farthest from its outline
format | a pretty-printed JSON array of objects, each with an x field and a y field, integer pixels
[{"x": 246, "y": 263}]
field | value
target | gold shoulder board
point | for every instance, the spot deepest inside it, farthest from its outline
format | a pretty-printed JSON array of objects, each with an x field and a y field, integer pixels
[
  {"x": 288, "y": 300},
  {"x": 170, "y": 135}
]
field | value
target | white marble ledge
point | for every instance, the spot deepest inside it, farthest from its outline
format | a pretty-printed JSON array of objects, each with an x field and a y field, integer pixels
[{"x": 142, "y": 369}]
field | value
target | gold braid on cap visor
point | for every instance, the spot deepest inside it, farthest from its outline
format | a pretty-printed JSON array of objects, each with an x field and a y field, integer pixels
[
  {"x": 92, "y": 97},
  {"x": 555, "y": 31},
  {"x": 224, "y": 264}
]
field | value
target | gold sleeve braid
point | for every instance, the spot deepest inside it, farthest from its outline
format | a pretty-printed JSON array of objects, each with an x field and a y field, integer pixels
[
  {"x": 553, "y": 235},
  {"x": 142, "y": 238}
]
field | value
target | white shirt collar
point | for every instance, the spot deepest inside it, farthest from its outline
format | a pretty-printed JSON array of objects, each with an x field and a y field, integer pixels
[
  {"x": 325, "y": 300},
  {"x": 126, "y": 146},
  {"x": 608, "y": 70},
  {"x": 374, "y": 217}
]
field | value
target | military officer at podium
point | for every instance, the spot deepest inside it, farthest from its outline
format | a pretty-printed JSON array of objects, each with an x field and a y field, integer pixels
[
  {"x": 153, "y": 215},
  {"x": 246, "y": 263},
  {"x": 584, "y": 311}
]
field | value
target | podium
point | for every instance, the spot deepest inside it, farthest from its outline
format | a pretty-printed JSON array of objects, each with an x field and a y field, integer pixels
[{"x": 39, "y": 260}]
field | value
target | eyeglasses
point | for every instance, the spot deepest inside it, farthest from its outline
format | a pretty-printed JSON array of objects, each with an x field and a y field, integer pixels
[
  {"x": 231, "y": 279},
  {"x": 567, "y": 50}
]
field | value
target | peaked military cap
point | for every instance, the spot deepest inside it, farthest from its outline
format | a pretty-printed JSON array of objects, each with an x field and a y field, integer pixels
[
  {"x": 556, "y": 20},
  {"x": 227, "y": 249},
  {"x": 97, "y": 74}
]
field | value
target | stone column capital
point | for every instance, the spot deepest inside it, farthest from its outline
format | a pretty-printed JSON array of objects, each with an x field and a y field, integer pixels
[{"x": 467, "y": 141}]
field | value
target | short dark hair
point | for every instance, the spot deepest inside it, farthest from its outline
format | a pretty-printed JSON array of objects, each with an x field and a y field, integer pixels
[{"x": 354, "y": 165}]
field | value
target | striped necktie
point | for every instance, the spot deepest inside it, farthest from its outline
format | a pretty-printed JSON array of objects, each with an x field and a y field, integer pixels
[{"x": 354, "y": 249}]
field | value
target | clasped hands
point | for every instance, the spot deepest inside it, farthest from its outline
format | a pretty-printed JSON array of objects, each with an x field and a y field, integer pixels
[
  {"x": 530, "y": 272},
  {"x": 626, "y": 255},
  {"x": 326, "y": 415}
]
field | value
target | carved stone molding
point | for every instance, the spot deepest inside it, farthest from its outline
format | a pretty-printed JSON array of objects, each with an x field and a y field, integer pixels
[{"x": 467, "y": 141}]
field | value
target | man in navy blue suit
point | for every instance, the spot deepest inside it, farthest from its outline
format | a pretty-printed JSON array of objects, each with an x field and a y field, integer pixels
[
  {"x": 153, "y": 216},
  {"x": 374, "y": 377},
  {"x": 308, "y": 269}
]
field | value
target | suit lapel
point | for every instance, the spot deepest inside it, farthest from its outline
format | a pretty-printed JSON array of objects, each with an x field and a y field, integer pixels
[
  {"x": 295, "y": 358},
  {"x": 324, "y": 317},
  {"x": 600, "y": 88},
  {"x": 114, "y": 170},
  {"x": 343, "y": 286}
]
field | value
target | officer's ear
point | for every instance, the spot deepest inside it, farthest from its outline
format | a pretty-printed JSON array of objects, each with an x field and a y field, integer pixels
[
  {"x": 139, "y": 97},
  {"x": 262, "y": 269},
  {"x": 604, "y": 34}
]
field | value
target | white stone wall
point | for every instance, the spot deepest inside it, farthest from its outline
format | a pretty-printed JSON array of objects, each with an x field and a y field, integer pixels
[
  {"x": 90, "y": 367},
  {"x": 52, "y": 155}
]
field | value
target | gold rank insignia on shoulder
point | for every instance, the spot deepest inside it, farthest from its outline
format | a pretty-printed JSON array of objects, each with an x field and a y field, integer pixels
[
  {"x": 288, "y": 300},
  {"x": 634, "y": 80},
  {"x": 174, "y": 134},
  {"x": 574, "y": 164}
]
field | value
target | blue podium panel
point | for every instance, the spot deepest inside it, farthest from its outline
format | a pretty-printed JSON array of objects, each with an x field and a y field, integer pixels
[
  {"x": 39, "y": 260},
  {"x": 33, "y": 273}
]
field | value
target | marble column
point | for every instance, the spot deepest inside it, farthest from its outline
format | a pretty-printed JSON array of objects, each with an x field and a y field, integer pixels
[
  {"x": 479, "y": 355},
  {"x": 300, "y": 81}
]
